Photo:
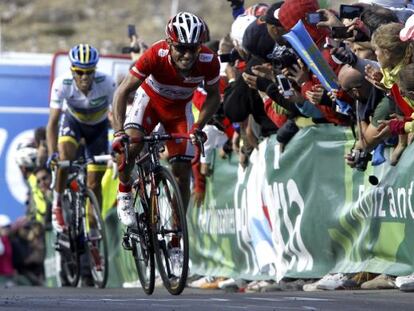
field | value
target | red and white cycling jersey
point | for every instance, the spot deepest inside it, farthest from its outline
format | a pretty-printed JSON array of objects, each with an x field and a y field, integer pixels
[{"x": 162, "y": 81}]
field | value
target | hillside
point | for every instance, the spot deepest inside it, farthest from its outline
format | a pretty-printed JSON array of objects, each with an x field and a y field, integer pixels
[{"x": 47, "y": 26}]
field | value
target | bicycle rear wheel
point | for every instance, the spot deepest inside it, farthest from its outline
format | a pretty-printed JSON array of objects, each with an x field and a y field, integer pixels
[
  {"x": 96, "y": 244},
  {"x": 70, "y": 255},
  {"x": 142, "y": 246},
  {"x": 169, "y": 229}
]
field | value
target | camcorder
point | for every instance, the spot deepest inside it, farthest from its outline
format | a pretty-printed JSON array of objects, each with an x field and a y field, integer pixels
[
  {"x": 131, "y": 34},
  {"x": 283, "y": 57},
  {"x": 361, "y": 159},
  {"x": 230, "y": 57}
]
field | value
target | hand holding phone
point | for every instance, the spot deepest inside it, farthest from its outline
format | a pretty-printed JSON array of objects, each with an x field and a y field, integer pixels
[
  {"x": 314, "y": 18},
  {"x": 131, "y": 31},
  {"x": 349, "y": 11},
  {"x": 341, "y": 33},
  {"x": 285, "y": 85}
]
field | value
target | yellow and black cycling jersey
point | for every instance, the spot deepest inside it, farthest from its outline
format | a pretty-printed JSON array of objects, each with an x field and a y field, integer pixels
[{"x": 87, "y": 109}]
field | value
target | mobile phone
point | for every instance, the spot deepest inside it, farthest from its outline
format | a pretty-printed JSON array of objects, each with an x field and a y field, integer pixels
[
  {"x": 225, "y": 58},
  {"x": 131, "y": 31},
  {"x": 341, "y": 33},
  {"x": 285, "y": 84},
  {"x": 349, "y": 11},
  {"x": 331, "y": 43},
  {"x": 314, "y": 18}
]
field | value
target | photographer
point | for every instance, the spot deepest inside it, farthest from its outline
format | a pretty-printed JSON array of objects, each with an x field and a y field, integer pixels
[
  {"x": 239, "y": 100},
  {"x": 136, "y": 47}
]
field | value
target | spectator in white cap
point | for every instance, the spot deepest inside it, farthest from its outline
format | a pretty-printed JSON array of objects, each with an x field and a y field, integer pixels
[
  {"x": 407, "y": 33},
  {"x": 238, "y": 28}
]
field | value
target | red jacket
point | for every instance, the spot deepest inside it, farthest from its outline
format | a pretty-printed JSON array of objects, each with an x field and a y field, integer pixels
[{"x": 6, "y": 260}]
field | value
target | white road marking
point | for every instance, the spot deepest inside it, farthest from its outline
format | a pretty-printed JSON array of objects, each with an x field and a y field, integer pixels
[
  {"x": 290, "y": 298},
  {"x": 147, "y": 299}
]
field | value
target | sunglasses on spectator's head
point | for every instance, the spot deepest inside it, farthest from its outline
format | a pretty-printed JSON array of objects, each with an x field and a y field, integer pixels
[
  {"x": 182, "y": 48},
  {"x": 81, "y": 71}
]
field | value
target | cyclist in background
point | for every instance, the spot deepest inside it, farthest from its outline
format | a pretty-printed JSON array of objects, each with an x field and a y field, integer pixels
[
  {"x": 79, "y": 105},
  {"x": 166, "y": 76}
]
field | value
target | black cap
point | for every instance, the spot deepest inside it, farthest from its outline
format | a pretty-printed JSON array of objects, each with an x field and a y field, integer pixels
[
  {"x": 257, "y": 40},
  {"x": 270, "y": 18}
]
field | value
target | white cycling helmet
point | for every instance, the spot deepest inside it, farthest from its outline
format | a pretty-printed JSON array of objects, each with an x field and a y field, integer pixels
[
  {"x": 186, "y": 28},
  {"x": 26, "y": 157}
]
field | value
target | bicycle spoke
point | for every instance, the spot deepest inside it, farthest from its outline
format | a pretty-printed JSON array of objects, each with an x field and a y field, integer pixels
[{"x": 142, "y": 248}]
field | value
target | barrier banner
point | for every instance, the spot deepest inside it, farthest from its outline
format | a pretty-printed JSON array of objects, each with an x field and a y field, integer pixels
[{"x": 304, "y": 213}]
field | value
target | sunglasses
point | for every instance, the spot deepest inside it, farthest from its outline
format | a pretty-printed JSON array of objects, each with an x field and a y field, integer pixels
[
  {"x": 42, "y": 178},
  {"x": 182, "y": 48},
  {"x": 81, "y": 72}
]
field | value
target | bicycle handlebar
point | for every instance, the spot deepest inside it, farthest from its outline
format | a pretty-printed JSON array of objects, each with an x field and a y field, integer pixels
[
  {"x": 154, "y": 138},
  {"x": 76, "y": 163}
]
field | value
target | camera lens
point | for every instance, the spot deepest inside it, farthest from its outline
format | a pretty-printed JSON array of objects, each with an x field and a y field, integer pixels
[{"x": 373, "y": 180}]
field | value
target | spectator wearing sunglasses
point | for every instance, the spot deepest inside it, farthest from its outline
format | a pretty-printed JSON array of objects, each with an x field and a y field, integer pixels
[{"x": 79, "y": 105}]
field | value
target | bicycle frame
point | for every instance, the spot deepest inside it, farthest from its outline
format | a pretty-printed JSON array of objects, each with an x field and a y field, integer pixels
[{"x": 79, "y": 176}]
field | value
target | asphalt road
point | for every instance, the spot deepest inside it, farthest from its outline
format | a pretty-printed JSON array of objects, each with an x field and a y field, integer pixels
[{"x": 77, "y": 299}]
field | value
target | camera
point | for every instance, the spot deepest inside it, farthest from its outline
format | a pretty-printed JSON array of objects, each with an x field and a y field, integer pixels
[
  {"x": 341, "y": 33},
  {"x": 282, "y": 57},
  {"x": 128, "y": 49},
  {"x": 361, "y": 159},
  {"x": 230, "y": 57}
]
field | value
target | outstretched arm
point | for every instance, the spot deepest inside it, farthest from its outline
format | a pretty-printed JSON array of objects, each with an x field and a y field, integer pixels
[{"x": 210, "y": 106}]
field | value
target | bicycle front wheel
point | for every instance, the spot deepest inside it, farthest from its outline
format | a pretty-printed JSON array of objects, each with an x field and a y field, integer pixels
[
  {"x": 169, "y": 229},
  {"x": 96, "y": 245},
  {"x": 70, "y": 255},
  {"x": 142, "y": 246}
]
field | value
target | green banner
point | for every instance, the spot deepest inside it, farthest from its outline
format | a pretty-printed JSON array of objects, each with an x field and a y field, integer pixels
[{"x": 304, "y": 213}]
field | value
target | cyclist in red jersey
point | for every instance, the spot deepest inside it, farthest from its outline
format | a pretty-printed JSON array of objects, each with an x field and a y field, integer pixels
[{"x": 166, "y": 76}]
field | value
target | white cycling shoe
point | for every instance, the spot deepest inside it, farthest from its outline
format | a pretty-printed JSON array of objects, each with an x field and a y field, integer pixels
[{"x": 125, "y": 210}]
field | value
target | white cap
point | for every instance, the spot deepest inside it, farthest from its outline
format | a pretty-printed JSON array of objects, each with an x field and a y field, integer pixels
[
  {"x": 4, "y": 220},
  {"x": 407, "y": 33},
  {"x": 386, "y": 3},
  {"x": 239, "y": 27}
]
